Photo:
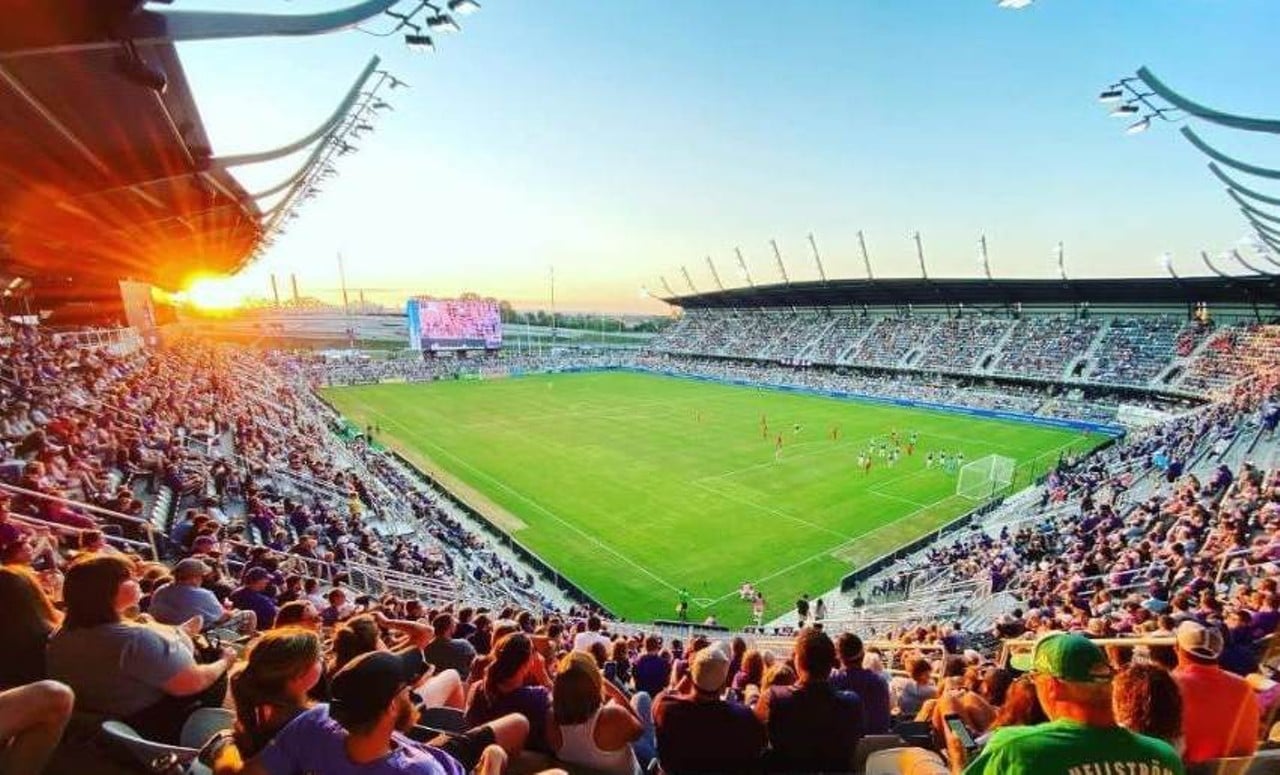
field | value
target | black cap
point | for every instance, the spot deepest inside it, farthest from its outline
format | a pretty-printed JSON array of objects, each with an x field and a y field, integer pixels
[{"x": 365, "y": 686}]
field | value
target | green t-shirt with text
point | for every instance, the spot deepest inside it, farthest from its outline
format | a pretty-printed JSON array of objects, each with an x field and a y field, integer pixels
[{"x": 1070, "y": 748}]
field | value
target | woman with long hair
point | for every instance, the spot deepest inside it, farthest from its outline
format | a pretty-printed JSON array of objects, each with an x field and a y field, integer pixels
[
  {"x": 591, "y": 723},
  {"x": 144, "y": 674},
  {"x": 514, "y": 681},
  {"x": 28, "y": 621},
  {"x": 1147, "y": 701},
  {"x": 271, "y": 686},
  {"x": 1021, "y": 707}
]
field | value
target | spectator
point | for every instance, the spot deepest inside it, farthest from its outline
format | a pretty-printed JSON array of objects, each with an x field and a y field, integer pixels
[
  {"x": 1147, "y": 702},
  {"x": 515, "y": 681},
  {"x": 27, "y": 621},
  {"x": 592, "y": 724},
  {"x": 270, "y": 687},
  {"x": 365, "y": 727},
  {"x": 811, "y": 726},
  {"x": 871, "y": 688},
  {"x": 652, "y": 670},
  {"x": 32, "y": 718},
  {"x": 184, "y": 598},
  {"x": 591, "y": 635},
  {"x": 337, "y": 609},
  {"x": 252, "y": 596},
  {"x": 697, "y": 731},
  {"x": 447, "y": 652},
  {"x": 1222, "y": 716},
  {"x": 143, "y": 674},
  {"x": 1021, "y": 707},
  {"x": 920, "y": 690},
  {"x": 1073, "y": 683},
  {"x": 298, "y": 613}
]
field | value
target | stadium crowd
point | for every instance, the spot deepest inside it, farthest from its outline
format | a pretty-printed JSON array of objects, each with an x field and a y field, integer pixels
[
  {"x": 1148, "y": 351},
  {"x": 225, "y": 615}
]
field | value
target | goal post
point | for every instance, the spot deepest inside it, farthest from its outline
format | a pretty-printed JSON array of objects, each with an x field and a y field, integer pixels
[{"x": 985, "y": 477}]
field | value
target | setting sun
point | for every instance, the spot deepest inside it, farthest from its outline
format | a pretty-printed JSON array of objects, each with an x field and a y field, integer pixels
[{"x": 214, "y": 293}]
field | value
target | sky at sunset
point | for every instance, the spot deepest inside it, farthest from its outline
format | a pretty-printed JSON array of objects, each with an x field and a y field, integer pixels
[{"x": 619, "y": 140}]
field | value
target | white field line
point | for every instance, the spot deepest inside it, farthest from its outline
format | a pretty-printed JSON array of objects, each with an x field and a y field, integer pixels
[
  {"x": 777, "y": 513},
  {"x": 590, "y": 538}
]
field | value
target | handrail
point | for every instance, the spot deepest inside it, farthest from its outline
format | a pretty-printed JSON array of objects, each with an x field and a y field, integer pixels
[{"x": 77, "y": 531}]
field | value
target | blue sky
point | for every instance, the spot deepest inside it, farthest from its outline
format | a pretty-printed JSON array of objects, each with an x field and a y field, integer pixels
[{"x": 620, "y": 139}]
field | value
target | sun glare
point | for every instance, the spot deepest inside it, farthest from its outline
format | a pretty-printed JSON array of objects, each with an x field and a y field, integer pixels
[{"x": 213, "y": 293}]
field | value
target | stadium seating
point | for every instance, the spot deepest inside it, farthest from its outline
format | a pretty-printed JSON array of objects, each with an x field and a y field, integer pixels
[{"x": 224, "y": 454}]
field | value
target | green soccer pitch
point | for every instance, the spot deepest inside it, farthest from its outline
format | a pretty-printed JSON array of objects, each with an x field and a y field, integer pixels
[{"x": 634, "y": 485}]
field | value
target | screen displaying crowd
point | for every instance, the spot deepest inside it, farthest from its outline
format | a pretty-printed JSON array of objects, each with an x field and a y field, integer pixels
[{"x": 454, "y": 324}]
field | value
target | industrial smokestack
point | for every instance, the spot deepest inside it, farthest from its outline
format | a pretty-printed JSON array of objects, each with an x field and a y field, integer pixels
[{"x": 275, "y": 291}]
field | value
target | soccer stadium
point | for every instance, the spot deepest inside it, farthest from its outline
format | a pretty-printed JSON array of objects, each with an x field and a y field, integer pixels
[{"x": 461, "y": 501}]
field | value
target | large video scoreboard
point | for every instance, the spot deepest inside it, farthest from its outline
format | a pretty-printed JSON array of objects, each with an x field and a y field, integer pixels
[{"x": 454, "y": 324}]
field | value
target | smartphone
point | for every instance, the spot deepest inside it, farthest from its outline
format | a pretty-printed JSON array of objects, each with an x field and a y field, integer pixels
[{"x": 957, "y": 727}]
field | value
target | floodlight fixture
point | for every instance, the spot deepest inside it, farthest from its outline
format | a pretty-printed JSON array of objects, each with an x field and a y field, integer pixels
[
  {"x": 442, "y": 22},
  {"x": 1139, "y": 126},
  {"x": 464, "y": 7},
  {"x": 1111, "y": 94},
  {"x": 418, "y": 42},
  {"x": 1127, "y": 109},
  {"x": 380, "y": 105},
  {"x": 1016, "y": 5}
]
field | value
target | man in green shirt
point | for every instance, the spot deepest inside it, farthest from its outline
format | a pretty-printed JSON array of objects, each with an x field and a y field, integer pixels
[{"x": 1073, "y": 682}]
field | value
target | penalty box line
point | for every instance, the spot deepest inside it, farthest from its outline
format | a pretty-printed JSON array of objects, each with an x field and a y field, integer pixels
[{"x": 590, "y": 538}]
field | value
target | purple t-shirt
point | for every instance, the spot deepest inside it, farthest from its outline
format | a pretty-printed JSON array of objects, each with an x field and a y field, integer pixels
[
  {"x": 313, "y": 743},
  {"x": 702, "y": 737},
  {"x": 532, "y": 702},
  {"x": 873, "y": 690},
  {"x": 650, "y": 672}
]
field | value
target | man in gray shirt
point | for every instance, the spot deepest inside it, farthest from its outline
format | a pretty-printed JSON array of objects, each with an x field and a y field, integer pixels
[
  {"x": 447, "y": 652},
  {"x": 185, "y": 598}
]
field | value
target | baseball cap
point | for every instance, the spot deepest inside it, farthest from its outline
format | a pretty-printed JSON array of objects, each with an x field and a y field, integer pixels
[
  {"x": 190, "y": 568},
  {"x": 256, "y": 574},
  {"x": 1066, "y": 656},
  {"x": 710, "y": 668},
  {"x": 365, "y": 686},
  {"x": 1198, "y": 640}
]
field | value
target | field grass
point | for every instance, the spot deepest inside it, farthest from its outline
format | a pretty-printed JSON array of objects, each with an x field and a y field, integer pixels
[{"x": 635, "y": 485}]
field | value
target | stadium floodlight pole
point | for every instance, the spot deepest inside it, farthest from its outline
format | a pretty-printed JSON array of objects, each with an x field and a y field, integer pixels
[
  {"x": 742, "y": 265},
  {"x": 1166, "y": 260},
  {"x": 1191, "y": 108},
  {"x": 714, "y": 274},
  {"x": 924, "y": 272},
  {"x": 666, "y": 286},
  {"x": 782, "y": 268},
  {"x": 552, "y": 269},
  {"x": 1239, "y": 188},
  {"x": 1061, "y": 254},
  {"x": 688, "y": 280},
  {"x": 1204, "y": 256},
  {"x": 982, "y": 255},
  {"x": 336, "y": 118},
  {"x": 1239, "y": 258},
  {"x": 1219, "y": 156},
  {"x": 866, "y": 257},
  {"x": 817, "y": 258}
]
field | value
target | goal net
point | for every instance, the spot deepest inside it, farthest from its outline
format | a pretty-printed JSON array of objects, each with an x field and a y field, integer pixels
[{"x": 985, "y": 477}]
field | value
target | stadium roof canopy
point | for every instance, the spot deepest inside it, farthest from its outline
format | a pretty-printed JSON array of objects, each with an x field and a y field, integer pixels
[
  {"x": 1259, "y": 291},
  {"x": 104, "y": 175}
]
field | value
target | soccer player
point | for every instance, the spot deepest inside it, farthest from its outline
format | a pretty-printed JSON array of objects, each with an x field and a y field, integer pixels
[
  {"x": 777, "y": 448},
  {"x": 928, "y": 460},
  {"x": 796, "y": 430}
]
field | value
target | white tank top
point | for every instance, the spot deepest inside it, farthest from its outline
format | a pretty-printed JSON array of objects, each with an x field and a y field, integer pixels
[{"x": 578, "y": 746}]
